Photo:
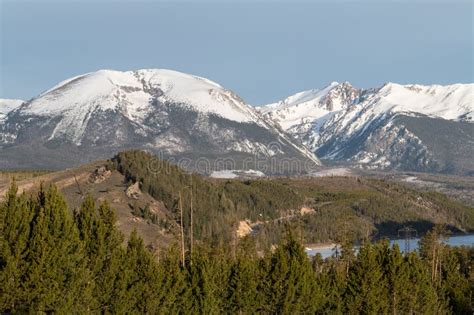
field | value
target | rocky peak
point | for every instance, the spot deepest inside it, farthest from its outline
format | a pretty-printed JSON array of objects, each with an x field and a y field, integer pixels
[{"x": 342, "y": 94}]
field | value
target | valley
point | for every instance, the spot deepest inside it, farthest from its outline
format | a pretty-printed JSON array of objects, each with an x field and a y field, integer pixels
[
  {"x": 237, "y": 157},
  {"x": 324, "y": 208}
]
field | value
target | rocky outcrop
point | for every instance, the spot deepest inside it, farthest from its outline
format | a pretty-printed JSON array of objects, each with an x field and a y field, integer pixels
[
  {"x": 244, "y": 229},
  {"x": 133, "y": 191},
  {"x": 99, "y": 175}
]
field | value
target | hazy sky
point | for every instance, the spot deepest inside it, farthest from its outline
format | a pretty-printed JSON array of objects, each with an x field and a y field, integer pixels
[{"x": 262, "y": 50}]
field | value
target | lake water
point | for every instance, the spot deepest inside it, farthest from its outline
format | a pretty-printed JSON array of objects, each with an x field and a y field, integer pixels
[{"x": 460, "y": 240}]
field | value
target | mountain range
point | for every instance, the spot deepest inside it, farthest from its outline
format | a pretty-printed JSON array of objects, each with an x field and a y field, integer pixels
[
  {"x": 176, "y": 115},
  {"x": 193, "y": 119},
  {"x": 404, "y": 127}
]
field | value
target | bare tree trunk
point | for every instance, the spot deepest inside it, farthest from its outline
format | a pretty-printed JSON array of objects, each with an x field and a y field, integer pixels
[
  {"x": 440, "y": 257},
  {"x": 433, "y": 264},
  {"x": 234, "y": 242},
  {"x": 182, "y": 230},
  {"x": 191, "y": 224},
  {"x": 394, "y": 301}
]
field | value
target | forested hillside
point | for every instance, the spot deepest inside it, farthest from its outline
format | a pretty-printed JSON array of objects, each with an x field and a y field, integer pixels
[
  {"x": 53, "y": 260},
  {"x": 322, "y": 209}
]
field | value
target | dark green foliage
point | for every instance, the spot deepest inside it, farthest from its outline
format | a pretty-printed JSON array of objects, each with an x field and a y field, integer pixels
[
  {"x": 54, "y": 262},
  {"x": 367, "y": 287},
  {"x": 362, "y": 208},
  {"x": 289, "y": 282},
  {"x": 142, "y": 277},
  {"x": 242, "y": 294},
  {"x": 105, "y": 255},
  {"x": 15, "y": 218},
  {"x": 217, "y": 204},
  {"x": 46, "y": 267}
]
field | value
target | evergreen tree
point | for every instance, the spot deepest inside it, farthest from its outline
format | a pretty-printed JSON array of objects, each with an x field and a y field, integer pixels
[
  {"x": 289, "y": 282},
  {"x": 431, "y": 250},
  {"x": 242, "y": 296},
  {"x": 422, "y": 297},
  {"x": 398, "y": 276},
  {"x": 106, "y": 257},
  {"x": 53, "y": 262},
  {"x": 143, "y": 294},
  {"x": 57, "y": 277},
  {"x": 456, "y": 286},
  {"x": 367, "y": 287},
  {"x": 331, "y": 284},
  {"x": 204, "y": 272},
  {"x": 174, "y": 291},
  {"x": 15, "y": 219}
]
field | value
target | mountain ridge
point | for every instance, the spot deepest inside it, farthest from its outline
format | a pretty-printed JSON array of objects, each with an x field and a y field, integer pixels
[
  {"x": 187, "y": 116},
  {"x": 340, "y": 122},
  {"x": 97, "y": 114},
  {"x": 8, "y": 105}
]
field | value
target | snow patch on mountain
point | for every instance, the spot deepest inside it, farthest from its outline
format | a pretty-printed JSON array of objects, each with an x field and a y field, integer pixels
[
  {"x": 229, "y": 174},
  {"x": 341, "y": 122},
  {"x": 131, "y": 93},
  {"x": 345, "y": 110},
  {"x": 452, "y": 102},
  {"x": 182, "y": 115},
  {"x": 7, "y": 105},
  {"x": 307, "y": 106}
]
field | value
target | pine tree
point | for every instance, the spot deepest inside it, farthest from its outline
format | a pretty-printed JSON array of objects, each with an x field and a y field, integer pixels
[
  {"x": 422, "y": 297},
  {"x": 202, "y": 273},
  {"x": 398, "y": 277},
  {"x": 143, "y": 277},
  {"x": 431, "y": 250},
  {"x": 289, "y": 282},
  {"x": 455, "y": 285},
  {"x": 367, "y": 288},
  {"x": 331, "y": 284},
  {"x": 174, "y": 291},
  {"x": 57, "y": 277},
  {"x": 15, "y": 219},
  {"x": 242, "y": 295},
  {"x": 106, "y": 257},
  {"x": 51, "y": 261}
]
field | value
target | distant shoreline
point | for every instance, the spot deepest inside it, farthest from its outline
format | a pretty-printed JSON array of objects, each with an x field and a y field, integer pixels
[
  {"x": 323, "y": 246},
  {"x": 320, "y": 246}
]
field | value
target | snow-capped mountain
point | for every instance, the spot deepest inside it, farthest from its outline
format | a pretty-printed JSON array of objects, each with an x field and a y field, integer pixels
[
  {"x": 410, "y": 127},
  {"x": 179, "y": 115},
  {"x": 7, "y": 105}
]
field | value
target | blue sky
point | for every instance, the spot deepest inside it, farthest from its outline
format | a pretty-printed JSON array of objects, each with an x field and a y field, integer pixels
[{"x": 262, "y": 50}]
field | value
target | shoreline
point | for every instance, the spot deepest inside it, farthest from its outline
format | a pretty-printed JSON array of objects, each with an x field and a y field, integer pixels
[
  {"x": 319, "y": 246},
  {"x": 326, "y": 246}
]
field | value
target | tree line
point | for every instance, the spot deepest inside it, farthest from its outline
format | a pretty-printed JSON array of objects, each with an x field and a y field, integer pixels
[
  {"x": 56, "y": 260},
  {"x": 365, "y": 207}
]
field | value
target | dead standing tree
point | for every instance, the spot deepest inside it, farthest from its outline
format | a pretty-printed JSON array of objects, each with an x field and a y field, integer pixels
[
  {"x": 191, "y": 223},
  {"x": 182, "y": 229}
]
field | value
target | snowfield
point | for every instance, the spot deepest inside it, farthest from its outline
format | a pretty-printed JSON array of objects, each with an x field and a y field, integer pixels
[
  {"x": 387, "y": 127},
  {"x": 229, "y": 174},
  {"x": 344, "y": 104},
  {"x": 132, "y": 92},
  {"x": 7, "y": 105},
  {"x": 340, "y": 122},
  {"x": 156, "y": 109},
  {"x": 340, "y": 171}
]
